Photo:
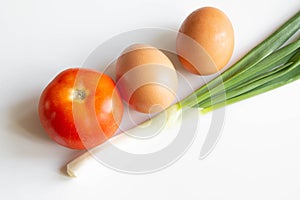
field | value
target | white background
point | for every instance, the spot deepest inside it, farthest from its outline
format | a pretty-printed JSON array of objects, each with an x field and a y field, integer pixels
[{"x": 256, "y": 157}]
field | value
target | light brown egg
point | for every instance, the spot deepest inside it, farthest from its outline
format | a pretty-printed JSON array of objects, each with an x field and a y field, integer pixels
[
  {"x": 146, "y": 78},
  {"x": 205, "y": 41}
]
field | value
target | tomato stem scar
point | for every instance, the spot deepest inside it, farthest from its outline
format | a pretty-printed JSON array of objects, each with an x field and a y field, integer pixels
[{"x": 79, "y": 94}]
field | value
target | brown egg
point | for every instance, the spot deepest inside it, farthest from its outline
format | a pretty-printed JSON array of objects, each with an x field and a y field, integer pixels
[
  {"x": 205, "y": 41},
  {"x": 146, "y": 78}
]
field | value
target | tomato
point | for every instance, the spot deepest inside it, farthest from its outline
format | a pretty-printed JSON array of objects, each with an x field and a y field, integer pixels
[{"x": 80, "y": 108}]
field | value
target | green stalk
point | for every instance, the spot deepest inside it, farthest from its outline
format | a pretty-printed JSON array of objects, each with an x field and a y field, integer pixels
[
  {"x": 247, "y": 75},
  {"x": 282, "y": 77},
  {"x": 254, "y": 56},
  {"x": 208, "y": 102},
  {"x": 265, "y": 65},
  {"x": 249, "y": 87}
]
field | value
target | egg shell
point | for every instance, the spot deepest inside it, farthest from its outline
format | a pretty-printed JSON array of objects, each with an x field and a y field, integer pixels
[
  {"x": 146, "y": 78},
  {"x": 205, "y": 41}
]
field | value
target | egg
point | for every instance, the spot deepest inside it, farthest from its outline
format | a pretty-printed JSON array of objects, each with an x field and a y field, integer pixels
[
  {"x": 146, "y": 78},
  {"x": 205, "y": 41}
]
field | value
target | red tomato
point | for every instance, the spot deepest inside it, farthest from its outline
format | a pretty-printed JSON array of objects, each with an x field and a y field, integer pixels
[{"x": 80, "y": 108}]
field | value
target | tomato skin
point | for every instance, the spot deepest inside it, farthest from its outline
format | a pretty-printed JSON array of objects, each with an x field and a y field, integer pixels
[{"x": 80, "y": 108}]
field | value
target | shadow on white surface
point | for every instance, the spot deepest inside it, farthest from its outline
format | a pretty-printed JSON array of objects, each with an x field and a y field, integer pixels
[
  {"x": 30, "y": 139},
  {"x": 26, "y": 123}
]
